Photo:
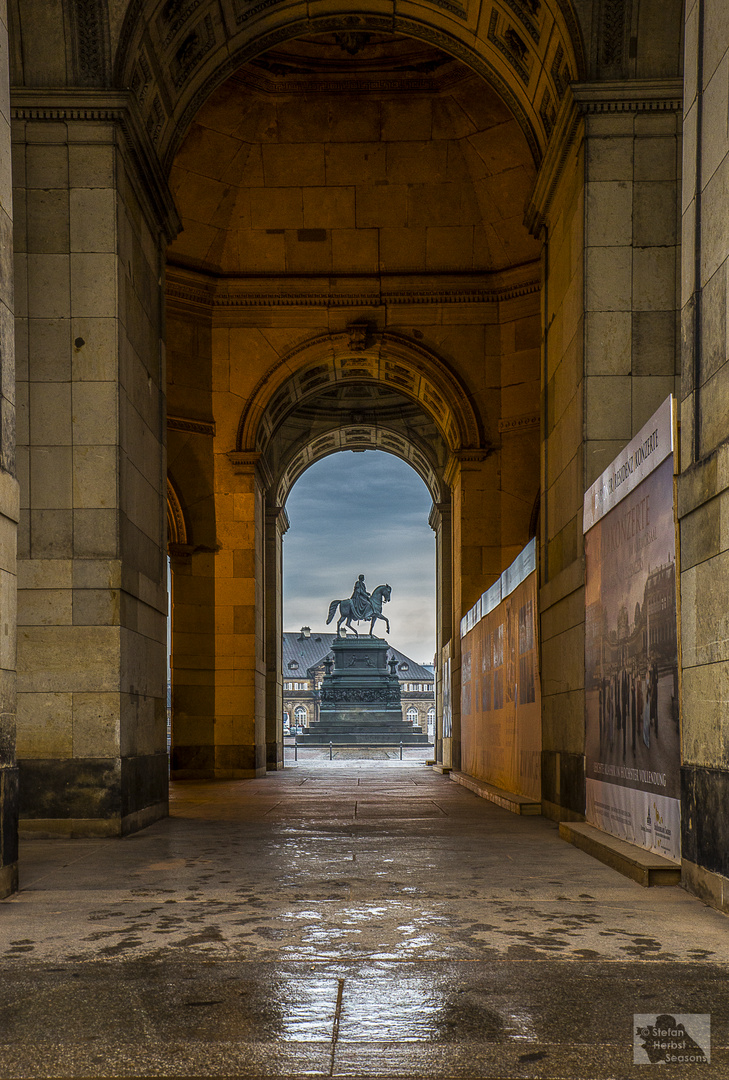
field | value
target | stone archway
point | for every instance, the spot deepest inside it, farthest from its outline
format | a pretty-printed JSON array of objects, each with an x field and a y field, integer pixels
[
  {"x": 370, "y": 241},
  {"x": 389, "y": 414},
  {"x": 174, "y": 56}
]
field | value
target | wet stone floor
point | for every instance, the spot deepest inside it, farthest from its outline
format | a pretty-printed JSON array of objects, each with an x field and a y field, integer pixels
[{"x": 350, "y": 919}]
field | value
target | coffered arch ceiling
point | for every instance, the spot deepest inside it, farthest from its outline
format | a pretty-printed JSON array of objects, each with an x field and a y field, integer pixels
[
  {"x": 359, "y": 417},
  {"x": 175, "y": 53},
  {"x": 335, "y": 369}
]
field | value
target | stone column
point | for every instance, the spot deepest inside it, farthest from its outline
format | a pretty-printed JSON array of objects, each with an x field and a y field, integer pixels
[
  {"x": 8, "y": 499},
  {"x": 240, "y": 698},
  {"x": 93, "y": 224},
  {"x": 193, "y": 663},
  {"x": 277, "y": 524},
  {"x": 606, "y": 206},
  {"x": 440, "y": 523},
  {"x": 703, "y": 487}
]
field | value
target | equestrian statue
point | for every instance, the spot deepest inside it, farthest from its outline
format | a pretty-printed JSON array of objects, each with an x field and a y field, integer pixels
[{"x": 361, "y": 606}]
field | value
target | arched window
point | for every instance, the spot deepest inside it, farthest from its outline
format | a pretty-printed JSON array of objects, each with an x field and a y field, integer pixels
[
  {"x": 431, "y": 716},
  {"x": 412, "y": 715},
  {"x": 300, "y": 715}
]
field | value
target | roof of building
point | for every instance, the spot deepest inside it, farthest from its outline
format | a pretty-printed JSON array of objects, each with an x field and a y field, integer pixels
[{"x": 308, "y": 652}]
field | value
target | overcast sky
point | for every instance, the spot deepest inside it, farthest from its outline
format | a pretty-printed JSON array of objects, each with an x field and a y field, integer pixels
[{"x": 365, "y": 514}]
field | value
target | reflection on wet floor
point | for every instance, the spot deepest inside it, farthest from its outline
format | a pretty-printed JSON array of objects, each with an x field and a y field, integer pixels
[{"x": 354, "y": 921}]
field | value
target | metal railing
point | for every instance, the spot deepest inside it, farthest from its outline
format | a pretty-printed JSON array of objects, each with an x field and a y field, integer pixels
[{"x": 352, "y": 746}]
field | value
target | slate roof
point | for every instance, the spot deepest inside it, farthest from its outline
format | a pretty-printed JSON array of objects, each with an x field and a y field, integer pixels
[{"x": 309, "y": 653}]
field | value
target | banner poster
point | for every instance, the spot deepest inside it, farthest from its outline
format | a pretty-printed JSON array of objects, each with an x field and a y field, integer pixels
[
  {"x": 501, "y": 725},
  {"x": 631, "y": 669}
]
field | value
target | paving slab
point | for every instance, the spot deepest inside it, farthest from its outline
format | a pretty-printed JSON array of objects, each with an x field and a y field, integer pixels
[{"x": 349, "y": 921}]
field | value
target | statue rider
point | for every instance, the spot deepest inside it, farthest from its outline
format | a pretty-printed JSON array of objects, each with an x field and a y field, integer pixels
[{"x": 360, "y": 600}]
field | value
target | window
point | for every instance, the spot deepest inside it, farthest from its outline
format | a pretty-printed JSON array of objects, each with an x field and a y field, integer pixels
[
  {"x": 431, "y": 716},
  {"x": 412, "y": 715},
  {"x": 300, "y": 715}
]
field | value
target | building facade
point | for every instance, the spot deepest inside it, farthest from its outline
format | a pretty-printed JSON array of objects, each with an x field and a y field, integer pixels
[{"x": 304, "y": 654}]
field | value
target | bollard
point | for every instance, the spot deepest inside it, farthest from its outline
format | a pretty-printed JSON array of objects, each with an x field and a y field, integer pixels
[
  {"x": 296, "y": 747},
  {"x": 330, "y": 751},
  {"x": 401, "y": 750}
]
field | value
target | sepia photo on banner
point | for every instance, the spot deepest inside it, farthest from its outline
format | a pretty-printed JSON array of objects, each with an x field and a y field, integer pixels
[{"x": 632, "y": 739}]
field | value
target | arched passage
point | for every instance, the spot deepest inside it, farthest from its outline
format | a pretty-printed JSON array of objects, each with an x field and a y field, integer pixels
[{"x": 354, "y": 271}]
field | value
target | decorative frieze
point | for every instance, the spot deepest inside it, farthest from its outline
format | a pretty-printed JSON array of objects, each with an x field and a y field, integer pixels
[
  {"x": 513, "y": 425},
  {"x": 376, "y": 290},
  {"x": 194, "y": 427}
]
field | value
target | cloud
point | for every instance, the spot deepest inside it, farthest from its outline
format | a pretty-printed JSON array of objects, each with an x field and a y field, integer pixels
[{"x": 365, "y": 514}]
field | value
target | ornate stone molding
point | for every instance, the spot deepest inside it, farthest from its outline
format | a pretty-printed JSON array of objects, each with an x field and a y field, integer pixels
[
  {"x": 90, "y": 41},
  {"x": 245, "y": 462},
  {"x": 438, "y": 512},
  {"x": 116, "y": 107},
  {"x": 359, "y": 437},
  {"x": 392, "y": 358},
  {"x": 194, "y": 427},
  {"x": 593, "y": 99},
  {"x": 177, "y": 536},
  {"x": 639, "y": 95},
  {"x": 514, "y": 424},
  {"x": 469, "y": 456},
  {"x": 277, "y": 518},
  {"x": 191, "y": 288}
]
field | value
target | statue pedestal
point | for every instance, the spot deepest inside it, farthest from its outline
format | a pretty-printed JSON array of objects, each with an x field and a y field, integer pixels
[{"x": 360, "y": 700}]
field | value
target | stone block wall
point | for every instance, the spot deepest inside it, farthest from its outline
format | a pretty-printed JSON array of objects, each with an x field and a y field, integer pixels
[
  {"x": 8, "y": 496},
  {"x": 91, "y": 694},
  {"x": 561, "y": 598},
  {"x": 703, "y": 490}
]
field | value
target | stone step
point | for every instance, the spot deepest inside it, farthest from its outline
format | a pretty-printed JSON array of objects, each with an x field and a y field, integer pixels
[
  {"x": 517, "y": 804},
  {"x": 388, "y": 738},
  {"x": 634, "y": 862}
]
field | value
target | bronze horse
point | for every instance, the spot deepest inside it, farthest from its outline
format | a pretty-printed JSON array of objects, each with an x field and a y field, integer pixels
[{"x": 380, "y": 594}]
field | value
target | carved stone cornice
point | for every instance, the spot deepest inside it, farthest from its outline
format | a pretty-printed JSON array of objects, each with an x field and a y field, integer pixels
[
  {"x": 513, "y": 425},
  {"x": 636, "y": 95},
  {"x": 192, "y": 288},
  {"x": 245, "y": 462},
  {"x": 470, "y": 456},
  {"x": 438, "y": 512},
  {"x": 585, "y": 100},
  {"x": 194, "y": 427},
  {"x": 180, "y": 551},
  {"x": 117, "y": 107},
  {"x": 277, "y": 518}
]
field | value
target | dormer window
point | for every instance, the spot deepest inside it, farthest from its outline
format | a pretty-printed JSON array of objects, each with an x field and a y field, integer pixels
[{"x": 293, "y": 665}]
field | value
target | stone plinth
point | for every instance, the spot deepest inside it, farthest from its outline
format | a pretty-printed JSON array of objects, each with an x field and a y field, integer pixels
[{"x": 360, "y": 698}]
